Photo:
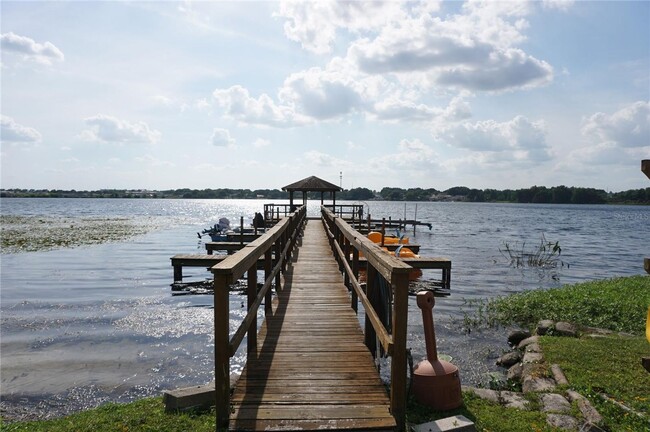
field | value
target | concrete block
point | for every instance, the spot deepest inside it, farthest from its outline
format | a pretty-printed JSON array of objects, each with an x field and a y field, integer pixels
[
  {"x": 457, "y": 423},
  {"x": 198, "y": 397}
]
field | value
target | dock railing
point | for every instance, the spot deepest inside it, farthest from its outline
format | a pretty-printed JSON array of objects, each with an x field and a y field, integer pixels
[
  {"x": 391, "y": 333},
  {"x": 279, "y": 241}
]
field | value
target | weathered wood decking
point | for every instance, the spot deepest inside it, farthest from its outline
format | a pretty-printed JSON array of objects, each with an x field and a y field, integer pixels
[{"x": 312, "y": 369}]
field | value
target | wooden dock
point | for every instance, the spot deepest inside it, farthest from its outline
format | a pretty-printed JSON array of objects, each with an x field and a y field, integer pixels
[{"x": 312, "y": 369}]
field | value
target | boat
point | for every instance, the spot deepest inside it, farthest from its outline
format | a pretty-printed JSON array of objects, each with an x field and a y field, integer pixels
[
  {"x": 375, "y": 237},
  {"x": 218, "y": 232}
]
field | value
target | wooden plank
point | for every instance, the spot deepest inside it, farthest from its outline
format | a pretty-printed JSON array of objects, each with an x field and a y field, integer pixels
[
  {"x": 312, "y": 369},
  {"x": 334, "y": 424}
]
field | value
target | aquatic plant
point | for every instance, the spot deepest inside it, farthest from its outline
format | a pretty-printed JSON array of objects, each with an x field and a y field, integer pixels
[{"x": 545, "y": 255}]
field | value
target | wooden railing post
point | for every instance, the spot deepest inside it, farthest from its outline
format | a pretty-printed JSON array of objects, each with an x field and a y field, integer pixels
[
  {"x": 369, "y": 333},
  {"x": 252, "y": 295},
  {"x": 355, "y": 273},
  {"x": 398, "y": 394},
  {"x": 268, "y": 268},
  {"x": 222, "y": 349},
  {"x": 346, "y": 251},
  {"x": 278, "y": 253}
]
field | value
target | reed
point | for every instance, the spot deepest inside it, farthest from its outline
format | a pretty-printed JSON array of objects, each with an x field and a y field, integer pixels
[{"x": 544, "y": 255}]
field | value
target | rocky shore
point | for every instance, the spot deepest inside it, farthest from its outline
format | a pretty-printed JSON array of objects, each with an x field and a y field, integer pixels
[{"x": 544, "y": 386}]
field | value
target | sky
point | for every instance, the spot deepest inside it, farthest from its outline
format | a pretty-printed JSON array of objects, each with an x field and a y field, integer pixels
[{"x": 256, "y": 95}]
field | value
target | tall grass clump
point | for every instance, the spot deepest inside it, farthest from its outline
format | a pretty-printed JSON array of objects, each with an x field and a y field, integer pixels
[
  {"x": 618, "y": 304},
  {"x": 545, "y": 255}
]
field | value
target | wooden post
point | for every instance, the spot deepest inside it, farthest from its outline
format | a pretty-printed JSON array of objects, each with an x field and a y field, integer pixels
[
  {"x": 252, "y": 295},
  {"x": 178, "y": 273},
  {"x": 278, "y": 257},
  {"x": 383, "y": 230},
  {"x": 222, "y": 350},
  {"x": 398, "y": 362},
  {"x": 355, "y": 272},
  {"x": 268, "y": 268},
  {"x": 346, "y": 252},
  {"x": 241, "y": 232},
  {"x": 369, "y": 333}
]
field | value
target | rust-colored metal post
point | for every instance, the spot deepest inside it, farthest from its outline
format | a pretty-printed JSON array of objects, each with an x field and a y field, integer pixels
[
  {"x": 398, "y": 394},
  {"x": 222, "y": 350}
]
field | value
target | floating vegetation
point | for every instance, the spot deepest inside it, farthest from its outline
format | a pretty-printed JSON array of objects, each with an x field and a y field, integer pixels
[
  {"x": 41, "y": 233},
  {"x": 545, "y": 255}
]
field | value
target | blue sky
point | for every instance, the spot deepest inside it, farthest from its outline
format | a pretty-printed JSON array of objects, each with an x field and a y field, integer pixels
[{"x": 198, "y": 94}]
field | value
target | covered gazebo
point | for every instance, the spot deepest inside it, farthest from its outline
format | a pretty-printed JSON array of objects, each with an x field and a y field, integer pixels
[{"x": 311, "y": 184}]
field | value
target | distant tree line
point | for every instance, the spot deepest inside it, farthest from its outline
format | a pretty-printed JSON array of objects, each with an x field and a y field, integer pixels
[{"x": 535, "y": 194}]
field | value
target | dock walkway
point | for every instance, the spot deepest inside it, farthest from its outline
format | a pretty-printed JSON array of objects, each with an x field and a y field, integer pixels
[{"x": 312, "y": 369}]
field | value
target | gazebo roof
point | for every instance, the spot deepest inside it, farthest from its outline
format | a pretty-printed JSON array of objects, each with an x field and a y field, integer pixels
[{"x": 312, "y": 183}]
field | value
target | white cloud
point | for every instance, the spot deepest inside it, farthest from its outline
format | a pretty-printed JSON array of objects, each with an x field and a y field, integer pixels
[
  {"x": 110, "y": 129},
  {"x": 316, "y": 158},
  {"x": 394, "y": 109},
  {"x": 263, "y": 111},
  {"x": 221, "y": 138},
  {"x": 562, "y": 5},
  {"x": 12, "y": 132},
  {"x": 323, "y": 94},
  {"x": 504, "y": 70},
  {"x": 45, "y": 53},
  {"x": 314, "y": 24},
  {"x": 412, "y": 155},
  {"x": 463, "y": 52},
  {"x": 517, "y": 140},
  {"x": 629, "y": 127},
  {"x": 153, "y": 161},
  {"x": 261, "y": 142}
]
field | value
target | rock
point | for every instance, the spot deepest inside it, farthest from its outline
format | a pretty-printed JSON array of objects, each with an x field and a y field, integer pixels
[
  {"x": 524, "y": 343},
  {"x": 558, "y": 375},
  {"x": 487, "y": 394},
  {"x": 589, "y": 427},
  {"x": 544, "y": 326},
  {"x": 591, "y": 416},
  {"x": 533, "y": 347},
  {"x": 562, "y": 421},
  {"x": 517, "y": 336},
  {"x": 596, "y": 331},
  {"x": 555, "y": 403},
  {"x": 541, "y": 384},
  {"x": 509, "y": 359},
  {"x": 515, "y": 372},
  {"x": 533, "y": 357},
  {"x": 533, "y": 370},
  {"x": 513, "y": 400},
  {"x": 563, "y": 328}
]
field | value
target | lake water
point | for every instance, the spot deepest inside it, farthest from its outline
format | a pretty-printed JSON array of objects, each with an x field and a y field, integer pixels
[{"x": 98, "y": 323}]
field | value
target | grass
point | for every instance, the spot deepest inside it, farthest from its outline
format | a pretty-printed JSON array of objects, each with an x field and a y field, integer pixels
[
  {"x": 618, "y": 304},
  {"x": 145, "y": 415},
  {"x": 606, "y": 365},
  {"x": 487, "y": 416}
]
